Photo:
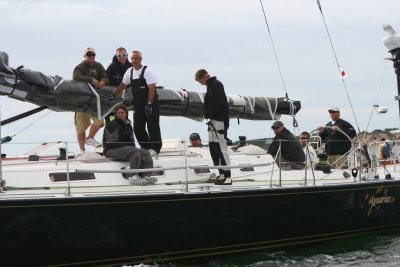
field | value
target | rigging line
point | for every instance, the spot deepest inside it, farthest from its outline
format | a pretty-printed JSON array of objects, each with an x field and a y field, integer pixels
[
  {"x": 376, "y": 99},
  {"x": 377, "y": 94},
  {"x": 273, "y": 48},
  {"x": 338, "y": 65},
  {"x": 32, "y": 123}
]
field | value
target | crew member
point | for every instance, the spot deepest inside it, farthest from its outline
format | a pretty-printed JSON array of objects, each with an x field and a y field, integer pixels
[{"x": 145, "y": 101}]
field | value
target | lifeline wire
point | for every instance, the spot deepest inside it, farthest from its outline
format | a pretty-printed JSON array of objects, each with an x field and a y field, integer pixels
[
  {"x": 31, "y": 123},
  {"x": 273, "y": 47},
  {"x": 337, "y": 62}
]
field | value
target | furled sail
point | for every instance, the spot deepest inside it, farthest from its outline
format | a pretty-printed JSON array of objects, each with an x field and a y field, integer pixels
[{"x": 59, "y": 94}]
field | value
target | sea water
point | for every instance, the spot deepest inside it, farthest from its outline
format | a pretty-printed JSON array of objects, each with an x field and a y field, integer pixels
[{"x": 379, "y": 249}]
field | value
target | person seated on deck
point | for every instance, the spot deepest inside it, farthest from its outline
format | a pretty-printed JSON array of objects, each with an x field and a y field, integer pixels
[
  {"x": 291, "y": 153},
  {"x": 311, "y": 157},
  {"x": 195, "y": 140},
  {"x": 384, "y": 152},
  {"x": 118, "y": 143}
]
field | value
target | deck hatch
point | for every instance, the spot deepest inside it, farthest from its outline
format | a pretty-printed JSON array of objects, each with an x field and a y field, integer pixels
[{"x": 73, "y": 176}]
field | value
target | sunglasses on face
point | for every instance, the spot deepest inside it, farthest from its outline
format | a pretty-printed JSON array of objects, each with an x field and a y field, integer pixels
[
  {"x": 90, "y": 54},
  {"x": 275, "y": 127},
  {"x": 121, "y": 55}
]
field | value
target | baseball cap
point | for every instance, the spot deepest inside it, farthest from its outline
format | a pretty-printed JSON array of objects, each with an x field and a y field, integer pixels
[
  {"x": 194, "y": 136},
  {"x": 276, "y": 124},
  {"x": 333, "y": 109},
  {"x": 89, "y": 49}
]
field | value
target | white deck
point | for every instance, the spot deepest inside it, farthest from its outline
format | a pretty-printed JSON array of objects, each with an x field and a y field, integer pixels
[{"x": 32, "y": 179}]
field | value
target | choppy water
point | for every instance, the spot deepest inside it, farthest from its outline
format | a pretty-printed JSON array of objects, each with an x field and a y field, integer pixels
[{"x": 381, "y": 249}]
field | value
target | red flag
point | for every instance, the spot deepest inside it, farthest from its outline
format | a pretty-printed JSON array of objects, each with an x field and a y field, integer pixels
[{"x": 342, "y": 73}]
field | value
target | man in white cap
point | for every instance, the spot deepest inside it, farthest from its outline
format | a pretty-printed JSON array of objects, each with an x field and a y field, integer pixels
[{"x": 337, "y": 144}]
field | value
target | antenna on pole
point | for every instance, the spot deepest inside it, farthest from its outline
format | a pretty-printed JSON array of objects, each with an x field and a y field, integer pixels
[{"x": 392, "y": 42}]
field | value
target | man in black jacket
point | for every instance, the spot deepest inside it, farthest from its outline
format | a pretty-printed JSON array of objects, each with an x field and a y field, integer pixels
[
  {"x": 119, "y": 65},
  {"x": 216, "y": 109},
  {"x": 337, "y": 144},
  {"x": 291, "y": 152},
  {"x": 118, "y": 143},
  {"x": 116, "y": 70}
]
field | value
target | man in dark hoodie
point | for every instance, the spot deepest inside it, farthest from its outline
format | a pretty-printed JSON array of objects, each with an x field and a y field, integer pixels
[
  {"x": 216, "y": 109},
  {"x": 120, "y": 64},
  {"x": 116, "y": 70}
]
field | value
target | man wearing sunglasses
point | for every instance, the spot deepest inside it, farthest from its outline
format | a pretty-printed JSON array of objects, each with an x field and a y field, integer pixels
[
  {"x": 286, "y": 148},
  {"x": 116, "y": 70},
  {"x": 120, "y": 64},
  {"x": 90, "y": 71}
]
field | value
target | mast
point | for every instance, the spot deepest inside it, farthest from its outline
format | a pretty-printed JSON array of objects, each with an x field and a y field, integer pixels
[
  {"x": 392, "y": 42},
  {"x": 396, "y": 65}
]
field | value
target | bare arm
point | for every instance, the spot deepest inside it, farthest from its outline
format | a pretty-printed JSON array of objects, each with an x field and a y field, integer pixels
[
  {"x": 152, "y": 92},
  {"x": 119, "y": 89}
]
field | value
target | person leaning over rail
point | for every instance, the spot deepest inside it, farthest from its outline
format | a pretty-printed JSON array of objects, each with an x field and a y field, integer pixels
[
  {"x": 216, "y": 109},
  {"x": 337, "y": 144},
  {"x": 145, "y": 100},
  {"x": 311, "y": 157},
  {"x": 118, "y": 143},
  {"x": 91, "y": 71},
  {"x": 292, "y": 154}
]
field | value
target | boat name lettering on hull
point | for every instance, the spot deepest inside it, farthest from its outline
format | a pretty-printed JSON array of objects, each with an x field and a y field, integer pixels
[{"x": 377, "y": 199}]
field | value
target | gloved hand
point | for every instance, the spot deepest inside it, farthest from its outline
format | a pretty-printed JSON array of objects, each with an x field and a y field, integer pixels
[{"x": 148, "y": 110}]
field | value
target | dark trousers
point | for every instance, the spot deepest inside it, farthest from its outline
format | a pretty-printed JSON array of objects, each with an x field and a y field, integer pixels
[
  {"x": 150, "y": 139},
  {"x": 217, "y": 156}
]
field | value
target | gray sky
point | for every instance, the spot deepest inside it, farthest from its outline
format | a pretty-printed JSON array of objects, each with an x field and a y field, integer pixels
[{"x": 229, "y": 38}]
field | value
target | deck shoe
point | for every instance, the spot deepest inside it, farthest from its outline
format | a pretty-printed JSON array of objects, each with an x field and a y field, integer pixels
[
  {"x": 151, "y": 180},
  {"x": 137, "y": 180},
  {"x": 212, "y": 178},
  {"x": 127, "y": 175},
  {"x": 225, "y": 181},
  {"x": 152, "y": 152},
  {"x": 93, "y": 142}
]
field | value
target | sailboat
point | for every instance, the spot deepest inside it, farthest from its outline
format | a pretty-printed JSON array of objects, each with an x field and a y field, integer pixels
[{"x": 64, "y": 209}]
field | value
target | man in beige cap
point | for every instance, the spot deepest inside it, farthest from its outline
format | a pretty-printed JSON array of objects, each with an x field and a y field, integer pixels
[
  {"x": 92, "y": 72},
  {"x": 337, "y": 144},
  {"x": 285, "y": 143}
]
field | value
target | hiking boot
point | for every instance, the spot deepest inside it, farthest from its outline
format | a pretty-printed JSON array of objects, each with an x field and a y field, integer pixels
[
  {"x": 93, "y": 142},
  {"x": 137, "y": 180}
]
